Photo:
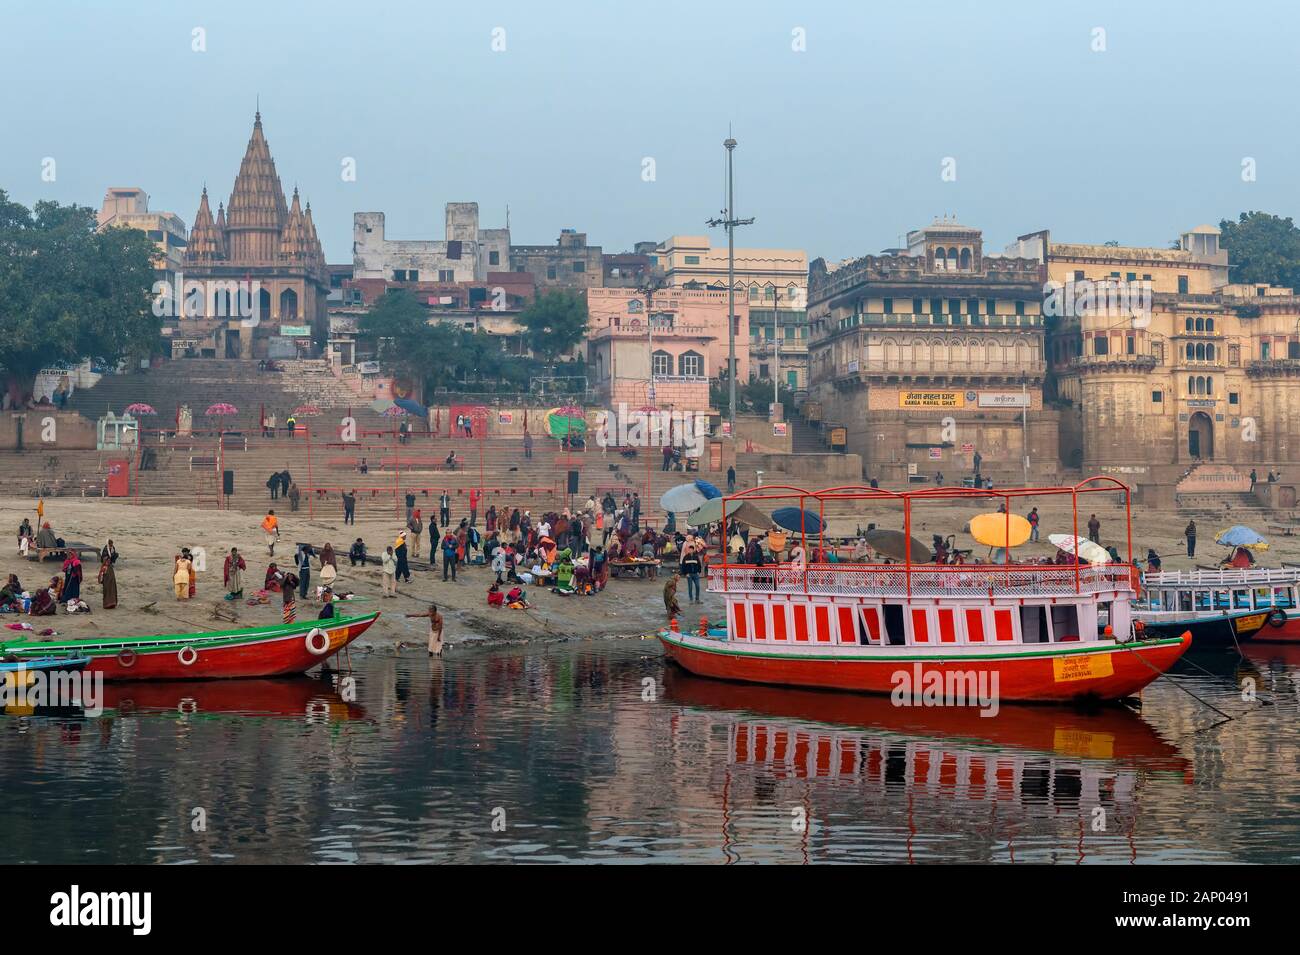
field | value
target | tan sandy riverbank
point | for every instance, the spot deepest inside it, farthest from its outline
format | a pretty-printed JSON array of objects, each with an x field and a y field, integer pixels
[{"x": 147, "y": 537}]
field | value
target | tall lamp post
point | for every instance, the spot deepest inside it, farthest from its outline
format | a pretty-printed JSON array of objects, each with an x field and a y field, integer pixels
[{"x": 730, "y": 221}]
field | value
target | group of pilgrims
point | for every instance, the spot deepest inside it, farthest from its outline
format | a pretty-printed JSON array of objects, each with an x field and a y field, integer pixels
[{"x": 63, "y": 589}]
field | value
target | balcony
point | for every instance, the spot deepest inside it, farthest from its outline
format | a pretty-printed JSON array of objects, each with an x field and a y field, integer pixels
[
  {"x": 931, "y": 368},
  {"x": 1121, "y": 361},
  {"x": 911, "y": 320},
  {"x": 1273, "y": 368}
]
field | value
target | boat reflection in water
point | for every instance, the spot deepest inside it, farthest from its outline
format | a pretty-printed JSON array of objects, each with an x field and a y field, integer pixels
[
  {"x": 310, "y": 700},
  {"x": 1052, "y": 776}
]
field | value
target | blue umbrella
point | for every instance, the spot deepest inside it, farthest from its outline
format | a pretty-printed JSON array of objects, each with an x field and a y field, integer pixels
[
  {"x": 708, "y": 490},
  {"x": 412, "y": 407},
  {"x": 789, "y": 518},
  {"x": 1239, "y": 535}
]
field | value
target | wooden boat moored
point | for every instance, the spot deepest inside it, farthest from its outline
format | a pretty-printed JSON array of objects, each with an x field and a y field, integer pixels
[{"x": 276, "y": 650}]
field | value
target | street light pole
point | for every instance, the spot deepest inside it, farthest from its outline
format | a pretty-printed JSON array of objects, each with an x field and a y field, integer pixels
[{"x": 731, "y": 222}]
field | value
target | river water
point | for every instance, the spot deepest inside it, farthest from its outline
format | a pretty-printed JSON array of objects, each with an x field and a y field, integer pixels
[{"x": 600, "y": 751}]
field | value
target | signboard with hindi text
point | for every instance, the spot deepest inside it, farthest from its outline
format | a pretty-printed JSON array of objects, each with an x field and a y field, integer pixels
[{"x": 931, "y": 399}]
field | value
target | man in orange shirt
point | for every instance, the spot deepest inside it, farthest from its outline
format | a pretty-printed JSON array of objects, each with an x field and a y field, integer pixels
[{"x": 271, "y": 525}]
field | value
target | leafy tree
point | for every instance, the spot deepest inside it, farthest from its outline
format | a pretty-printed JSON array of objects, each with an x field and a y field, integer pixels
[
  {"x": 69, "y": 292},
  {"x": 553, "y": 323},
  {"x": 1262, "y": 248}
]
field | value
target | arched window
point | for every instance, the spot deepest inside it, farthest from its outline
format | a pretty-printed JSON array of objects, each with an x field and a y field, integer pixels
[
  {"x": 1191, "y": 351},
  {"x": 1209, "y": 352},
  {"x": 965, "y": 260},
  {"x": 940, "y": 260},
  {"x": 288, "y": 304},
  {"x": 1200, "y": 351},
  {"x": 264, "y": 303},
  {"x": 661, "y": 364},
  {"x": 1188, "y": 325},
  {"x": 1209, "y": 386},
  {"x": 753, "y": 293},
  {"x": 920, "y": 351},
  {"x": 1209, "y": 324},
  {"x": 937, "y": 351},
  {"x": 1191, "y": 385},
  {"x": 691, "y": 365},
  {"x": 1200, "y": 324}
]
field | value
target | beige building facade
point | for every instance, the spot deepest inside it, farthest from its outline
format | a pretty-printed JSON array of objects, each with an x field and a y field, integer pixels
[
  {"x": 1160, "y": 363},
  {"x": 774, "y": 285},
  {"x": 927, "y": 356}
]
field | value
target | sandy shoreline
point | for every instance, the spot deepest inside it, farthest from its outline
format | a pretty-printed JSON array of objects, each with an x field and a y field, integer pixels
[{"x": 148, "y": 536}]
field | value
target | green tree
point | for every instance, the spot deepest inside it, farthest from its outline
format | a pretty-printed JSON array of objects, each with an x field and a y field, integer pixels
[
  {"x": 69, "y": 292},
  {"x": 553, "y": 323},
  {"x": 1262, "y": 248}
]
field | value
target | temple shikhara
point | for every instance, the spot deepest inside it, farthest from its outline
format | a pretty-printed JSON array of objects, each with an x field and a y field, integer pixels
[{"x": 260, "y": 266}]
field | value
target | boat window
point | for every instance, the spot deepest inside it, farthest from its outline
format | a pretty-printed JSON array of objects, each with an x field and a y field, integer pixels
[
  {"x": 1263, "y": 598},
  {"x": 1282, "y": 597},
  {"x": 1154, "y": 600},
  {"x": 1033, "y": 624},
  {"x": 1221, "y": 600},
  {"x": 1065, "y": 623},
  {"x": 894, "y": 624},
  {"x": 1241, "y": 600},
  {"x": 1185, "y": 601},
  {"x": 1202, "y": 600}
]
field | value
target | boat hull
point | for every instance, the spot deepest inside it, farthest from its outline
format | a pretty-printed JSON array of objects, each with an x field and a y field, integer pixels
[
  {"x": 1209, "y": 633},
  {"x": 1108, "y": 672},
  {"x": 261, "y": 652},
  {"x": 1283, "y": 628}
]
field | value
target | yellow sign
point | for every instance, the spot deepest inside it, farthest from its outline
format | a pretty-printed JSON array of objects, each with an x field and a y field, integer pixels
[
  {"x": 1251, "y": 623},
  {"x": 1092, "y": 666},
  {"x": 839, "y": 437},
  {"x": 931, "y": 399},
  {"x": 1081, "y": 744}
]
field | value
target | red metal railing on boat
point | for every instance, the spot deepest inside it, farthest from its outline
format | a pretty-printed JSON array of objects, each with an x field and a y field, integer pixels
[
  {"x": 895, "y": 580},
  {"x": 1015, "y": 577}
]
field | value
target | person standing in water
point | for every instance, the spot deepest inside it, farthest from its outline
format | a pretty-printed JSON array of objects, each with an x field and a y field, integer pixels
[{"x": 435, "y": 629}]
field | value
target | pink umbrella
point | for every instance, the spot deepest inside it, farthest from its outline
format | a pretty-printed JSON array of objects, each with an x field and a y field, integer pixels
[
  {"x": 306, "y": 411},
  {"x": 221, "y": 408},
  {"x": 394, "y": 411},
  {"x": 139, "y": 408}
]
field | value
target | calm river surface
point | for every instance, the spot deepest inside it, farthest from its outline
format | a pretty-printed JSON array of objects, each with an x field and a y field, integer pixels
[{"x": 602, "y": 752}]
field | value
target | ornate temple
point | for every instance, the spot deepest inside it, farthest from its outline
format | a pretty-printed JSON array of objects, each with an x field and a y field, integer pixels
[{"x": 257, "y": 267}]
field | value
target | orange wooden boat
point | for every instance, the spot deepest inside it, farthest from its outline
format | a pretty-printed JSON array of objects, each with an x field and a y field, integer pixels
[{"x": 929, "y": 634}]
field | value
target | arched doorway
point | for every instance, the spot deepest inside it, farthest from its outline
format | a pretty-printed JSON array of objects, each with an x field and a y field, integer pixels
[{"x": 1200, "y": 436}]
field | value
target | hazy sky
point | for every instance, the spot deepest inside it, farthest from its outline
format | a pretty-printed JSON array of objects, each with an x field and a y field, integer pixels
[{"x": 841, "y": 144}]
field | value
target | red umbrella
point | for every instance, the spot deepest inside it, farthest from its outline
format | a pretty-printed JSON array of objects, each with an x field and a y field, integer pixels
[
  {"x": 306, "y": 411},
  {"x": 139, "y": 408},
  {"x": 221, "y": 408}
]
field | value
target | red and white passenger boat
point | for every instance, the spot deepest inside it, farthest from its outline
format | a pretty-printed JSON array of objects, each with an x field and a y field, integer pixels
[{"x": 1025, "y": 632}]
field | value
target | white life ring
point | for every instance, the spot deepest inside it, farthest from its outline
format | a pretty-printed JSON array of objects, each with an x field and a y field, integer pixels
[
  {"x": 126, "y": 658},
  {"x": 312, "y": 646},
  {"x": 187, "y": 656}
]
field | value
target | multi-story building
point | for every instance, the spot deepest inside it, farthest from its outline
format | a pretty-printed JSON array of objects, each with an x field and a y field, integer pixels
[
  {"x": 1162, "y": 363},
  {"x": 661, "y": 350},
  {"x": 128, "y": 207},
  {"x": 466, "y": 254},
  {"x": 258, "y": 240},
  {"x": 570, "y": 263},
  {"x": 929, "y": 357},
  {"x": 772, "y": 282}
]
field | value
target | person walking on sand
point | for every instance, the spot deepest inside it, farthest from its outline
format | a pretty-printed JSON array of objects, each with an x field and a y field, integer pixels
[
  {"x": 388, "y": 563},
  {"x": 304, "y": 570},
  {"x": 1190, "y": 533},
  {"x": 416, "y": 527},
  {"x": 670, "y": 596},
  {"x": 271, "y": 527},
  {"x": 1094, "y": 529},
  {"x": 231, "y": 574},
  {"x": 435, "y": 629},
  {"x": 1033, "y": 524},
  {"x": 444, "y": 509},
  {"x": 181, "y": 577},
  {"x": 350, "y": 507},
  {"x": 108, "y": 575},
  {"x": 403, "y": 570},
  {"x": 289, "y": 590}
]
